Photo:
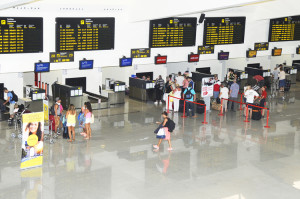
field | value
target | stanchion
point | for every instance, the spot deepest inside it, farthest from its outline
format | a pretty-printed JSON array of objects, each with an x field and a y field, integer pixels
[
  {"x": 168, "y": 111},
  {"x": 241, "y": 104},
  {"x": 247, "y": 114},
  {"x": 204, "y": 122},
  {"x": 221, "y": 111},
  {"x": 184, "y": 116},
  {"x": 268, "y": 115}
]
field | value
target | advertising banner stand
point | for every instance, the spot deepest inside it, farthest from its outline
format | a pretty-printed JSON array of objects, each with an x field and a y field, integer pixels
[
  {"x": 32, "y": 140},
  {"x": 207, "y": 90}
]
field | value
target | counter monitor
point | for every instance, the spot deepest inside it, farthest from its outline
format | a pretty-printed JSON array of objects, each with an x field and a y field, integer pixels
[
  {"x": 86, "y": 64},
  {"x": 160, "y": 60},
  {"x": 276, "y": 51},
  {"x": 224, "y": 30},
  {"x": 21, "y": 35},
  {"x": 284, "y": 29},
  {"x": 173, "y": 32},
  {"x": 125, "y": 62},
  {"x": 41, "y": 67},
  {"x": 193, "y": 58},
  {"x": 251, "y": 53},
  {"x": 223, "y": 55},
  {"x": 80, "y": 34}
]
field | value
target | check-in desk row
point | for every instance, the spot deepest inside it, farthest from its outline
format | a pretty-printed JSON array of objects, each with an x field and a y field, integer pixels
[
  {"x": 297, "y": 66},
  {"x": 291, "y": 73},
  {"x": 256, "y": 71},
  {"x": 142, "y": 89}
]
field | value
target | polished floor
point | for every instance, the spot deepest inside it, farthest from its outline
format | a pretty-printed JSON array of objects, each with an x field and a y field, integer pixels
[{"x": 225, "y": 159}]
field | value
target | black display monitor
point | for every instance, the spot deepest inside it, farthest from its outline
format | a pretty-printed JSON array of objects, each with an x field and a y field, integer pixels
[
  {"x": 254, "y": 65},
  {"x": 125, "y": 62},
  {"x": 205, "y": 70}
]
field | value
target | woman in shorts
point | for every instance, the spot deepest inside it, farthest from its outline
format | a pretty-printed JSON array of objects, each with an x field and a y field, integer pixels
[
  {"x": 88, "y": 119},
  {"x": 71, "y": 121}
]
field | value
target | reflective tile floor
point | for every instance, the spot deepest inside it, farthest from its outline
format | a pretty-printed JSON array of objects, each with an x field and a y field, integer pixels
[{"x": 225, "y": 159}]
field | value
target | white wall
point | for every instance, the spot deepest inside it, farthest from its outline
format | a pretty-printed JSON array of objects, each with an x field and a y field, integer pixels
[{"x": 130, "y": 35}]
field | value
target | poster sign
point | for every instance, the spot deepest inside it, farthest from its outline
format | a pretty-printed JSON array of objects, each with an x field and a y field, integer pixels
[
  {"x": 207, "y": 89},
  {"x": 46, "y": 110},
  {"x": 32, "y": 140}
]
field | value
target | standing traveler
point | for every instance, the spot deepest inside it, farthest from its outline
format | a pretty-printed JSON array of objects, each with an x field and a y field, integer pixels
[
  {"x": 230, "y": 77},
  {"x": 71, "y": 121},
  {"x": 159, "y": 87},
  {"x": 88, "y": 119},
  {"x": 250, "y": 95},
  {"x": 224, "y": 91},
  {"x": 233, "y": 95},
  {"x": 191, "y": 82},
  {"x": 190, "y": 96},
  {"x": 11, "y": 99},
  {"x": 263, "y": 98},
  {"x": 168, "y": 90},
  {"x": 177, "y": 94},
  {"x": 217, "y": 84},
  {"x": 185, "y": 84},
  {"x": 165, "y": 127},
  {"x": 281, "y": 80},
  {"x": 58, "y": 109},
  {"x": 275, "y": 75},
  {"x": 180, "y": 80}
]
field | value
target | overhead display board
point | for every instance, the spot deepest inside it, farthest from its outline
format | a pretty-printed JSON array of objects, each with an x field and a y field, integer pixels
[
  {"x": 140, "y": 53},
  {"x": 210, "y": 49},
  {"x": 173, "y": 32},
  {"x": 261, "y": 46},
  {"x": 67, "y": 56},
  {"x": 224, "y": 30},
  {"x": 21, "y": 35},
  {"x": 80, "y": 34},
  {"x": 284, "y": 29}
]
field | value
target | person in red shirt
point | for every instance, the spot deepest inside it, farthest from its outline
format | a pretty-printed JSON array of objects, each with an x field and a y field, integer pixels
[
  {"x": 217, "y": 84},
  {"x": 263, "y": 98}
]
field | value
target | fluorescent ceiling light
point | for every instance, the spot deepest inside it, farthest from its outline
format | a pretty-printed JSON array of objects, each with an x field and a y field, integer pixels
[{"x": 5, "y": 4}]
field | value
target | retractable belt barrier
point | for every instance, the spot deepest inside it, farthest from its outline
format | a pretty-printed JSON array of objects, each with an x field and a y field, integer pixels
[
  {"x": 247, "y": 109},
  {"x": 184, "y": 116}
]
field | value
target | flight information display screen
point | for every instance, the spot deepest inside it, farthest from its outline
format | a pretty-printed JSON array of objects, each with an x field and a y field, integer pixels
[
  {"x": 21, "y": 35},
  {"x": 80, "y": 34},
  {"x": 140, "y": 53},
  {"x": 206, "y": 49},
  {"x": 261, "y": 46},
  {"x": 173, "y": 32},
  {"x": 224, "y": 30},
  {"x": 284, "y": 29}
]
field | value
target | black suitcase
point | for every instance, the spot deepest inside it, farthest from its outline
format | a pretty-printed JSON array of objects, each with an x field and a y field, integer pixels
[
  {"x": 256, "y": 113},
  {"x": 181, "y": 106},
  {"x": 200, "y": 108},
  {"x": 287, "y": 85}
]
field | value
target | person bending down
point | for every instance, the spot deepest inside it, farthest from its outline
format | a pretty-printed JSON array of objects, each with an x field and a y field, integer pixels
[{"x": 164, "y": 125}]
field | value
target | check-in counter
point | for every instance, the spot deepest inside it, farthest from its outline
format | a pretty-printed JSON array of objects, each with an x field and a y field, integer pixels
[
  {"x": 33, "y": 96},
  {"x": 34, "y": 105},
  {"x": 68, "y": 95},
  {"x": 256, "y": 71},
  {"x": 142, "y": 89},
  {"x": 197, "y": 78},
  {"x": 291, "y": 72},
  {"x": 297, "y": 66}
]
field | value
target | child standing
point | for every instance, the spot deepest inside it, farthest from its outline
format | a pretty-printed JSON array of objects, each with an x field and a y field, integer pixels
[{"x": 71, "y": 115}]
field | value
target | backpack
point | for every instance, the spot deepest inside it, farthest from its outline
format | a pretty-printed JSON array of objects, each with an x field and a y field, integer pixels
[
  {"x": 52, "y": 111},
  {"x": 171, "y": 125},
  {"x": 188, "y": 94},
  {"x": 14, "y": 96}
]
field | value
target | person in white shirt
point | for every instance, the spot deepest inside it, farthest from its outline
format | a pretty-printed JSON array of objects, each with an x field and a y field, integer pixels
[
  {"x": 275, "y": 74},
  {"x": 224, "y": 94},
  {"x": 180, "y": 80},
  {"x": 281, "y": 80},
  {"x": 250, "y": 96}
]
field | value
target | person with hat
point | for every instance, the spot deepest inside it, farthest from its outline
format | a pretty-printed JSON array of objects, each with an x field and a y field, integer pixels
[{"x": 58, "y": 109}]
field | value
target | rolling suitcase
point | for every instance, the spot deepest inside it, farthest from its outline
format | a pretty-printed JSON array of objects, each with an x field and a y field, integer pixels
[
  {"x": 256, "y": 113},
  {"x": 200, "y": 108},
  {"x": 51, "y": 118}
]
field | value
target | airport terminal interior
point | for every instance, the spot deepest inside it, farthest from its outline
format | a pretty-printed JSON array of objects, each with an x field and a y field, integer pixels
[{"x": 90, "y": 92}]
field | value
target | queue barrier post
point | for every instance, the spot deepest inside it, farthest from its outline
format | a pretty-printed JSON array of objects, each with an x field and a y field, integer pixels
[
  {"x": 184, "y": 116},
  {"x": 221, "y": 111},
  {"x": 247, "y": 114},
  {"x": 168, "y": 111},
  {"x": 205, "y": 122},
  {"x": 268, "y": 116}
]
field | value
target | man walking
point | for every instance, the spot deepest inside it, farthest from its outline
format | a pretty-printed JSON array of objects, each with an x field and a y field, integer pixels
[{"x": 234, "y": 92}]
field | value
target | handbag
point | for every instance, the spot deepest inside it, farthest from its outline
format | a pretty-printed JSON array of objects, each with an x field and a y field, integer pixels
[
  {"x": 161, "y": 134},
  {"x": 157, "y": 129}
]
